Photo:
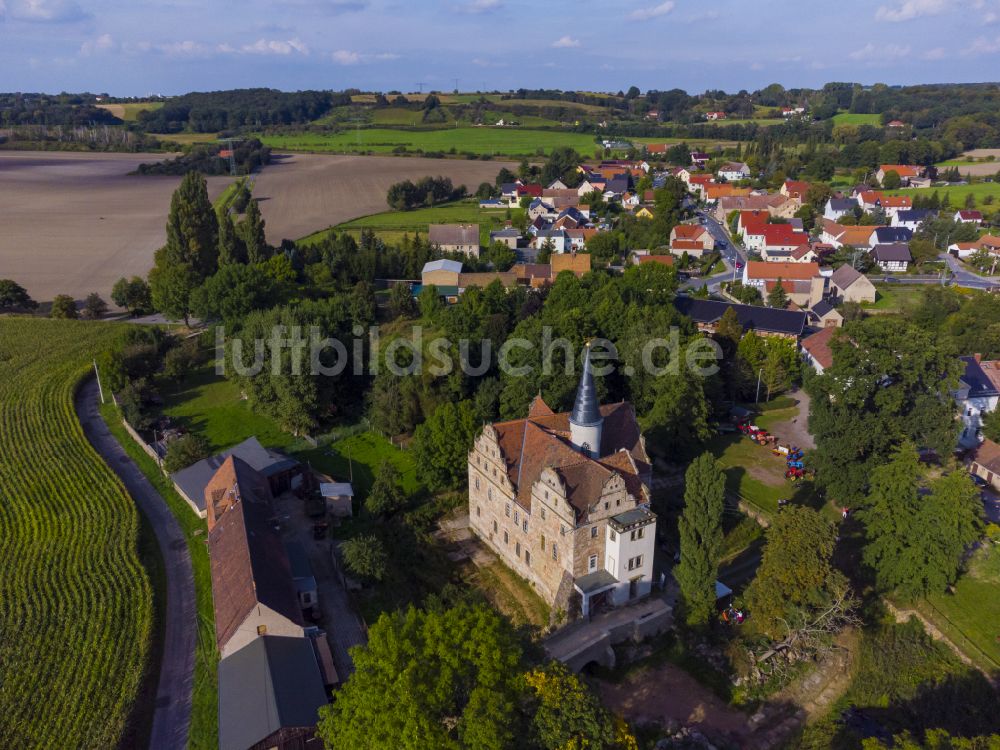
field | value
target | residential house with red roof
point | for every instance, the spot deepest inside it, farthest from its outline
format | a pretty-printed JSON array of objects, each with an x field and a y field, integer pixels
[
  {"x": 802, "y": 282},
  {"x": 968, "y": 217},
  {"x": 780, "y": 240},
  {"x": 563, "y": 499},
  {"x": 906, "y": 172}
]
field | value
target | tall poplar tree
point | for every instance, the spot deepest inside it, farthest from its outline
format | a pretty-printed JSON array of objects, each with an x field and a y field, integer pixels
[{"x": 700, "y": 527}]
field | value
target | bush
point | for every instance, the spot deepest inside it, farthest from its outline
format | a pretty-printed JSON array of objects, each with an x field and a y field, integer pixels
[
  {"x": 64, "y": 306},
  {"x": 366, "y": 556},
  {"x": 184, "y": 451}
]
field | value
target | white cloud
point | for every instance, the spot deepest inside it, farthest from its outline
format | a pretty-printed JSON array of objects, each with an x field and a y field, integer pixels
[
  {"x": 983, "y": 46},
  {"x": 936, "y": 53},
  {"x": 276, "y": 47},
  {"x": 882, "y": 52},
  {"x": 349, "y": 57},
  {"x": 481, "y": 6},
  {"x": 906, "y": 10},
  {"x": 92, "y": 46},
  {"x": 566, "y": 42},
  {"x": 186, "y": 48},
  {"x": 45, "y": 11},
  {"x": 644, "y": 14}
]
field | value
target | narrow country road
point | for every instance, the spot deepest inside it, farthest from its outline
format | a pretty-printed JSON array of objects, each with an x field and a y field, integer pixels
[{"x": 172, "y": 717}]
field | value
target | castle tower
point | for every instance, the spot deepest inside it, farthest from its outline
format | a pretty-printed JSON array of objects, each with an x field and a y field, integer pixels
[{"x": 585, "y": 421}]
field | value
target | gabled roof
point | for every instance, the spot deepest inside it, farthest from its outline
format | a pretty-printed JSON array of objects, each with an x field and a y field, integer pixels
[
  {"x": 914, "y": 214},
  {"x": 892, "y": 252},
  {"x": 666, "y": 260},
  {"x": 751, "y": 317},
  {"x": 885, "y": 235},
  {"x": 818, "y": 346},
  {"x": 689, "y": 231},
  {"x": 983, "y": 378},
  {"x": 442, "y": 265},
  {"x": 970, "y": 215},
  {"x": 845, "y": 276},
  {"x": 903, "y": 170},
  {"x": 249, "y": 563},
  {"x": 193, "y": 479},
  {"x": 453, "y": 234},
  {"x": 272, "y": 683},
  {"x": 759, "y": 269},
  {"x": 987, "y": 455},
  {"x": 896, "y": 201},
  {"x": 543, "y": 441},
  {"x": 841, "y": 205}
]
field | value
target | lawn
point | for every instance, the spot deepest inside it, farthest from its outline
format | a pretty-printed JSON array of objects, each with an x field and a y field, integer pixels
[
  {"x": 753, "y": 473},
  {"x": 970, "y": 616},
  {"x": 853, "y": 118},
  {"x": 209, "y": 405},
  {"x": 477, "y": 140},
  {"x": 204, "y": 722},
  {"x": 893, "y": 298},
  {"x": 187, "y": 138},
  {"x": 357, "y": 459},
  {"x": 392, "y": 225}
]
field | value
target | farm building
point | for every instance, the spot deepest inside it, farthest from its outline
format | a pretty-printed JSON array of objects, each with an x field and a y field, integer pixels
[
  {"x": 847, "y": 284},
  {"x": 282, "y": 473},
  {"x": 765, "y": 321},
  {"x": 455, "y": 238},
  {"x": 270, "y": 693},
  {"x": 339, "y": 497}
]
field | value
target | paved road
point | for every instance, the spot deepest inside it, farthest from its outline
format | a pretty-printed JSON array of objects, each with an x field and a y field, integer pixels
[{"x": 172, "y": 717}]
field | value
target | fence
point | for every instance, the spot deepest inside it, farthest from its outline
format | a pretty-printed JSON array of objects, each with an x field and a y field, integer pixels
[{"x": 143, "y": 444}]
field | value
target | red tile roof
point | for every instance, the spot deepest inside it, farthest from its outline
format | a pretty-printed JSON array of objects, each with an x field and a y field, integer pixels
[
  {"x": 688, "y": 231},
  {"x": 818, "y": 345},
  {"x": 666, "y": 260},
  {"x": 759, "y": 269}
]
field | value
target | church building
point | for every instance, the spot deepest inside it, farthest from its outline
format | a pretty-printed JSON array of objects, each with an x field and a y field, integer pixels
[{"x": 563, "y": 499}]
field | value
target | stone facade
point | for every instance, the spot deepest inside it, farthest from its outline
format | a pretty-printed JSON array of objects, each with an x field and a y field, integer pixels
[{"x": 548, "y": 511}]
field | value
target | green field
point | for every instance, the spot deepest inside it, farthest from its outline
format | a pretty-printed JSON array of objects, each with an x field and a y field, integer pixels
[
  {"x": 392, "y": 225},
  {"x": 129, "y": 112},
  {"x": 979, "y": 190},
  {"x": 477, "y": 140},
  {"x": 851, "y": 118},
  {"x": 187, "y": 138},
  {"x": 969, "y": 616},
  {"x": 76, "y": 612},
  {"x": 204, "y": 730}
]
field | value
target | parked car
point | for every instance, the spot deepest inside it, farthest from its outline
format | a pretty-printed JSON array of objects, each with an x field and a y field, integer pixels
[{"x": 979, "y": 481}]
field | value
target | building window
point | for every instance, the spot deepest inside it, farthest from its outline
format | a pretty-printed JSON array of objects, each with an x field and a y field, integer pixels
[
  {"x": 592, "y": 563},
  {"x": 524, "y": 525},
  {"x": 635, "y": 562},
  {"x": 527, "y": 557},
  {"x": 517, "y": 549},
  {"x": 542, "y": 545},
  {"x": 506, "y": 537},
  {"x": 506, "y": 510},
  {"x": 477, "y": 483},
  {"x": 638, "y": 533},
  {"x": 494, "y": 471},
  {"x": 546, "y": 494},
  {"x": 489, "y": 493},
  {"x": 614, "y": 536},
  {"x": 555, "y": 551},
  {"x": 262, "y": 630},
  {"x": 618, "y": 503},
  {"x": 593, "y": 532},
  {"x": 494, "y": 527},
  {"x": 607, "y": 505},
  {"x": 479, "y": 511},
  {"x": 517, "y": 518}
]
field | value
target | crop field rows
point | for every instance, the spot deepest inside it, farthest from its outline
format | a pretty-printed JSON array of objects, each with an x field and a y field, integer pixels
[{"x": 75, "y": 602}]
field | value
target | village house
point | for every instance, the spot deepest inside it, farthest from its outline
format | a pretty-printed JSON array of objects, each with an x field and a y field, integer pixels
[
  {"x": 777, "y": 205},
  {"x": 508, "y": 236},
  {"x": 694, "y": 239},
  {"x": 764, "y": 321},
  {"x": 455, "y": 238},
  {"x": 802, "y": 282},
  {"x": 555, "y": 238},
  {"x": 795, "y": 189},
  {"x": 847, "y": 284},
  {"x": 699, "y": 159},
  {"x": 888, "y": 235},
  {"x": 978, "y": 393},
  {"x": 911, "y": 218},
  {"x": 441, "y": 273},
  {"x": 715, "y": 116},
  {"x": 838, "y": 208},
  {"x": 825, "y": 315},
  {"x": 906, "y": 172},
  {"x": 838, "y": 235},
  {"x": 563, "y": 500},
  {"x": 733, "y": 171},
  {"x": 779, "y": 240},
  {"x": 715, "y": 191},
  {"x": 968, "y": 217},
  {"x": 984, "y": 462},
  {"x": 816, "y": 349},
  {"x": 893, "y": 257},
  {"x": 893, "y": 204}
]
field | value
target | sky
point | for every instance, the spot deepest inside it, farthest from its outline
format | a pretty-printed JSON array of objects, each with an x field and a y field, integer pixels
[{"x": 141, "y": 47}]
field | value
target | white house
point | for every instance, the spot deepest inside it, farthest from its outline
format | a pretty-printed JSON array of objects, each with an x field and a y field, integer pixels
[
  {"x": 838, "y": 208},
  {"x": 893, "y": 257},
  {"x": 734, "y": 171},
  {"x": 977, "y": 394},
  {"x": 968, "y": 217}
]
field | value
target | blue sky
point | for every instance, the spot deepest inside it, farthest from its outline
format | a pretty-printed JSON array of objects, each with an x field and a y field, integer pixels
[{"x": 173, "y": 46}]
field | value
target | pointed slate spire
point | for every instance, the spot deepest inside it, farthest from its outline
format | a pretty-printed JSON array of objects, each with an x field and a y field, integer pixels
[{"x": 585, "y": 408}]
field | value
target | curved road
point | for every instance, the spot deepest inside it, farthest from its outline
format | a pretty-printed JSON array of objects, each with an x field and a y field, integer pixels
[{"x": 172, "y": 717}]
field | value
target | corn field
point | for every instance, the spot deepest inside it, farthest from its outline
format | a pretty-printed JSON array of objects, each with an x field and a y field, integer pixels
[{"x": 75, "y": 602}]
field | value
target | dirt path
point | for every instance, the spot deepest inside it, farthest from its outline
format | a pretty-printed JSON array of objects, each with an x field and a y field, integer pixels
[
  {"x": 902, "y": 615},
  {"x": 795, "y": 429}
]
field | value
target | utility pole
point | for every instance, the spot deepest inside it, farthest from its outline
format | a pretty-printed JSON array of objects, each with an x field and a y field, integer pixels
[
  {"x": 420, "y": 87},
  {"x": 759, "y": 374},
  {"x": 100, "y": 389}
]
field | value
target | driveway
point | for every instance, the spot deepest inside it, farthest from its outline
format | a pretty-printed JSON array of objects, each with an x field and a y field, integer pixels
[
  {"x": 344, "y": 628},
  {"x": 172, "y": 716}
]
